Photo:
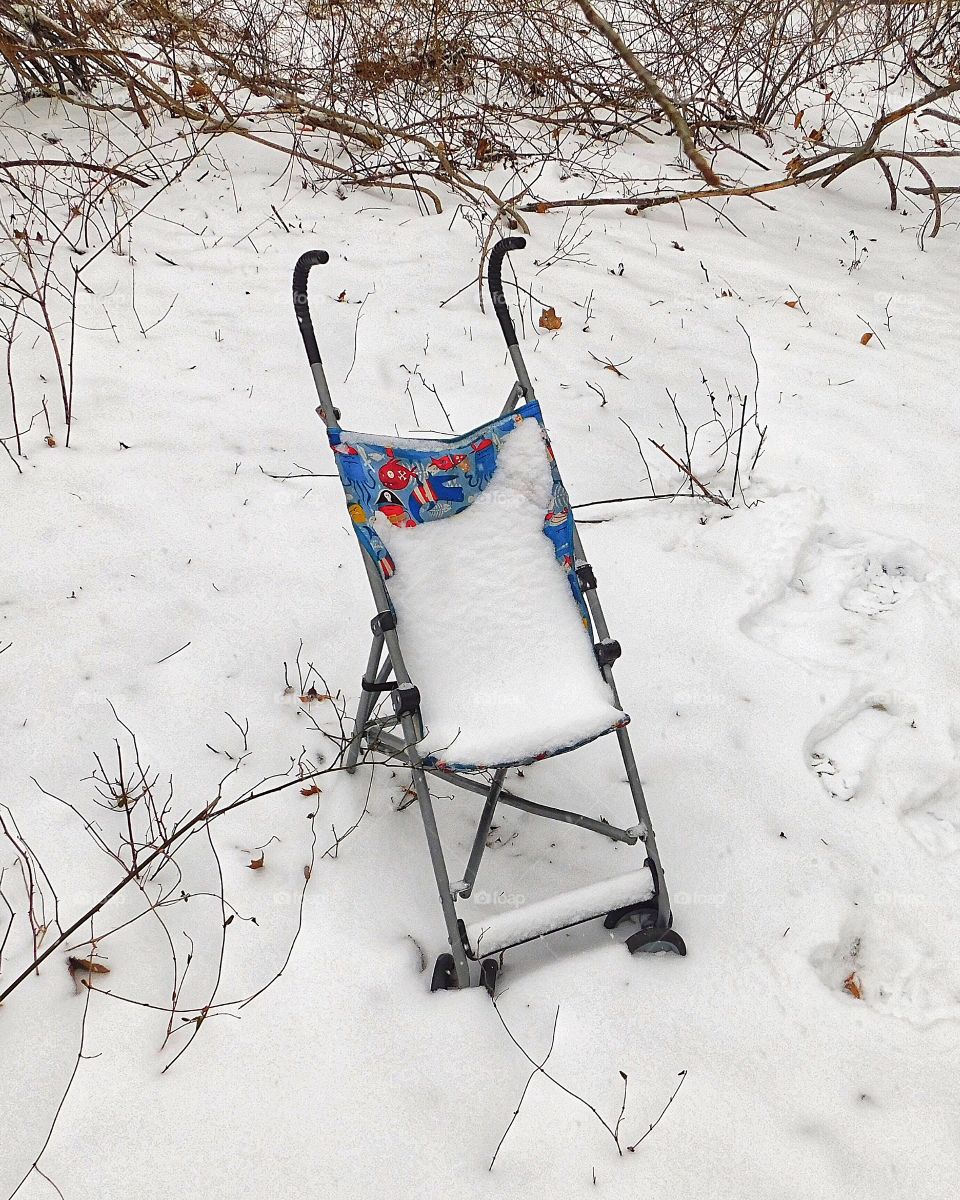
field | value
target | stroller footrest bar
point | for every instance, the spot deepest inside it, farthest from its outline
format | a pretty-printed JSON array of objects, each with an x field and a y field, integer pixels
[{"x": 519, "y": 925}]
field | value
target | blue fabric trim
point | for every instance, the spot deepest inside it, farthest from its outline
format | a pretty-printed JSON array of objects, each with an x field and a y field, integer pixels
[{"x": 413, "y": 480}]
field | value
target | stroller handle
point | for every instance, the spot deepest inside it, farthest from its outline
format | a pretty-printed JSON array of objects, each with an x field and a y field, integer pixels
[
  {"x": 301, "y": 306},
  {"x": 495, "y": 282},
  {"x": 301, "y": 301}
]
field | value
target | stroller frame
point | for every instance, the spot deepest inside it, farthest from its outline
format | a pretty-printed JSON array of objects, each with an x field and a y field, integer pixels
[{"x": 387, "y": 672}]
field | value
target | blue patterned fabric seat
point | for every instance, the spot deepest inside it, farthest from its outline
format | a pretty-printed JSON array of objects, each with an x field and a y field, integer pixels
[{"x": 413, "y": 482}]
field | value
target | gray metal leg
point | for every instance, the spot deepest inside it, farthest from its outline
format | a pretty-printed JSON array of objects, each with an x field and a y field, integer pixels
[
  {"x": 425, "y": 805},
  {"x": 649, "y": 839},
  {"x": 365, "y": 707},
  {"x": 626, "y": 750},
  {"x": 465, "y": 887}
]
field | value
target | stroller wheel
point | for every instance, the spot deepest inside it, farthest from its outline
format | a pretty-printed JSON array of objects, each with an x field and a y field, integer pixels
[
  {"x": 656, "y": 941},
  {"x": 488, "y": 975},
  {"x": 646, "y": 913},
  {"x": 444, "y": 974}
]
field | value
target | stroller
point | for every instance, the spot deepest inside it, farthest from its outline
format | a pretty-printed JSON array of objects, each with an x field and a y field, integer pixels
[{"x": 473, "y": 557}]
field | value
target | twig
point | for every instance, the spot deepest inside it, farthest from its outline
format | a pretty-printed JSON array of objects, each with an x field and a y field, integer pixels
[
  {"x": 184, "y": 828},
  {"x": 693, "y": 479},
  {"x": 34, "y": 1166},
  {"x": 537, "y": 1068},
  {"x": 169, "y": 656},
  {"x": 683, "y": 1075}
]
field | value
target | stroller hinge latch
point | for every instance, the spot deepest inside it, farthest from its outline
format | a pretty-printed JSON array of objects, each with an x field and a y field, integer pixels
[
  {"x": 383, "y": 622},
  {"x": 586, "y": 577},
  {"x": 607, "y": 652},
  {"x": 406, "y": 699}
]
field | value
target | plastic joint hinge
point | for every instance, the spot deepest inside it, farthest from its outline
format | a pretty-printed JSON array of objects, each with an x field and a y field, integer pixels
[
  {"x": 383, "y": 622},
  {"x": 607, "y": 651},
  {"x": 406, "y": 699},
  {"x": 586, "y": 578}
]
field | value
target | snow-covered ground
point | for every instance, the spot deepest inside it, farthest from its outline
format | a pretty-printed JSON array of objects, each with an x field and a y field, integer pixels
[{"x": 791, "y": 669}]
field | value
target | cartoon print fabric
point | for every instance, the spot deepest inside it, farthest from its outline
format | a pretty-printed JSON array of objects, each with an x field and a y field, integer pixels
[{"x": 411, "y": 481}]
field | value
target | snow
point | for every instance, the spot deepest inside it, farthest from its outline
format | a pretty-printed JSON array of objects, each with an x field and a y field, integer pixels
[
  {"x": 490, "y": 631},
  {"x": 529, "y": 921},
  {"x": 757, "y": 644}
]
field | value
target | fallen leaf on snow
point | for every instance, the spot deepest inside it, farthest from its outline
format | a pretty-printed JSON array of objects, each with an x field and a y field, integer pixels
[
  {"x": 866, "y": 338},
  {"x": 310, "y": 791},
  {"x": 851, "y": 985},
  {"x": 549, "y": 319},
  {"x": 88, "y": 966},
  {"x": 256, "y": 864}
]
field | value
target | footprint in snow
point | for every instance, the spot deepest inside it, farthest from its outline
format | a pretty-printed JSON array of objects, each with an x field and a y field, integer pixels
[
  {"x": 907, "y": 758},
  {"x": 843, "y": 754},
  {"x": 894, "y": 959},
  {"x": 881, "y": 581},
  {"x": 935, "y": 821},
  {"x": 842, "y": 587}
]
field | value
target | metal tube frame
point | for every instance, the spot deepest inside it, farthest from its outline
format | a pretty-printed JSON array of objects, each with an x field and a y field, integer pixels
[{"x": 385, "y": 641}]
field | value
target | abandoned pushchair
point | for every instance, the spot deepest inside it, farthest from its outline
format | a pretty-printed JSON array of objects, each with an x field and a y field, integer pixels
[{"x": 482, "y": 520}]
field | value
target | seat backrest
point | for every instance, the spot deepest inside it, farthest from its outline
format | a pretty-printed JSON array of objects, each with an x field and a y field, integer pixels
[{"x": 413, "y": 480}]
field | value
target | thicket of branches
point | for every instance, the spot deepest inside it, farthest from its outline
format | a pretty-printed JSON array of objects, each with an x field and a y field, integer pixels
[{"x": 493, "y": 105}]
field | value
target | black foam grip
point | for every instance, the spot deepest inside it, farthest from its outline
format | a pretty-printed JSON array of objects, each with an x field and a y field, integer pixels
[
  {"x": 301, "y": 301},
  {"x": 495, "y": 281}
]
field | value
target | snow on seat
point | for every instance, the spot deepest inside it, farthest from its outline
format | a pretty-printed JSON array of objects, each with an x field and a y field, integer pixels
[
  {"x": 517, "y": 925},
  {"x": 492, "y": 633}
]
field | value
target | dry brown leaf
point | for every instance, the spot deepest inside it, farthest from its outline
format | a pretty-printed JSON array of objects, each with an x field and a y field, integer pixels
[
  {"x": 797, "y": 163},
  {"x": 197, "y": 90},
  {"x": 543, "y": 207},
  {"x": 312, "y": 695},
  {"x": 310, "y": 791},
  {"x": 866, "y": 338},
  {"x": 88, "y": 966},
  {"x": 791, "y": 303},
  {"x": 797, "y": 119},
  {"x": 549, "y": 319},
  {"x": 307, "y": 871},
  {"x": 50, "y": 440},
  {"x": 851, "y": 985},
  {"x": 342, "y": 298},
  {"x": 256, "y": 864}
]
